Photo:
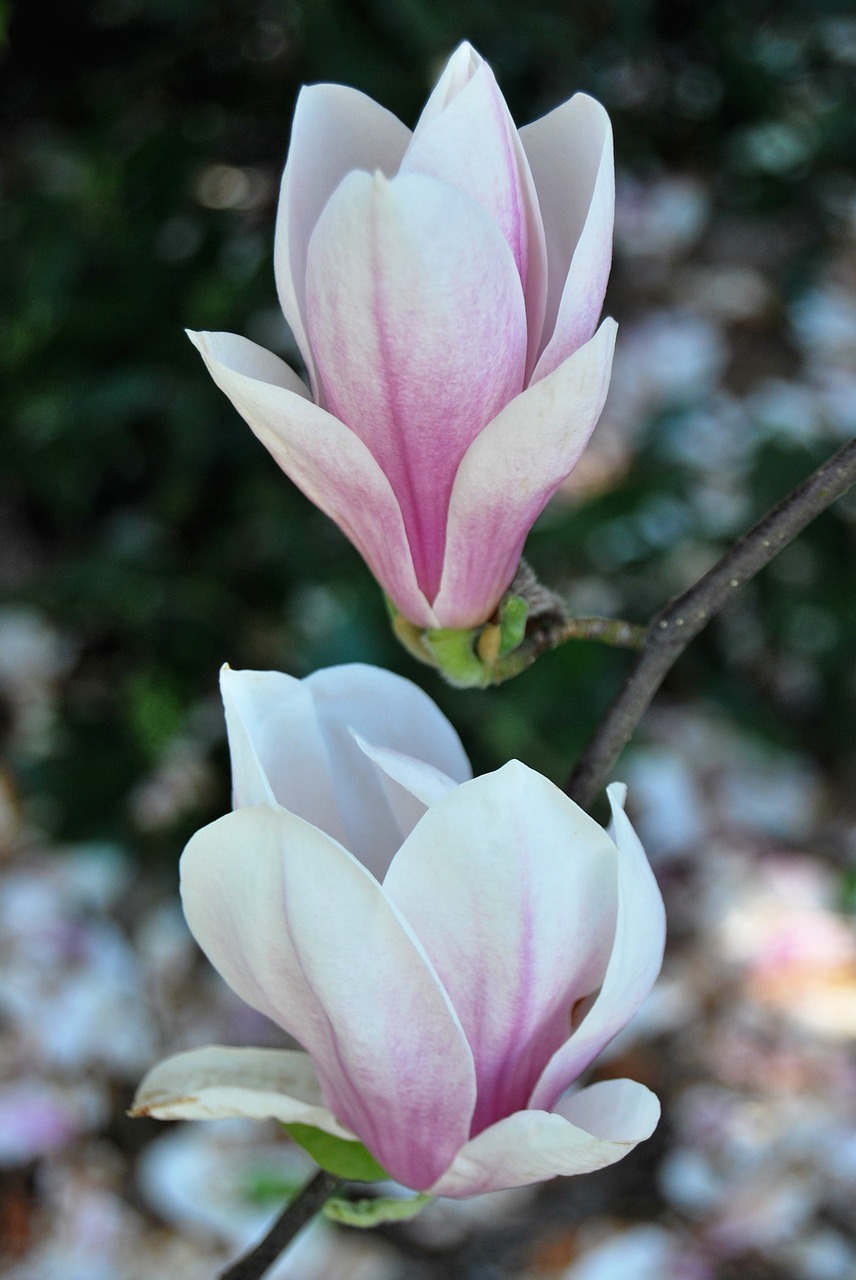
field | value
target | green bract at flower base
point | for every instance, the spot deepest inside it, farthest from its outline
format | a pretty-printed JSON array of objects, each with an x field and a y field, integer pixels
[
  {"x": 351, "y": 1160},
  {"x": 338, "y": 1156},
  {"x": 476, "y": 657},
  {"x": 530, "y": 620},
  {"x": 369, "y": 1213}
]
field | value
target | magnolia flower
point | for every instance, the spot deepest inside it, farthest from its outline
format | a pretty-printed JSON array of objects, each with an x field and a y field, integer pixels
[
  {"x": 444, "y": 287},
  {"x": 451, "y": 953}
]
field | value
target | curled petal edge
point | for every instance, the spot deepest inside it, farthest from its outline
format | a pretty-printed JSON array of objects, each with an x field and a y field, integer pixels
[
  {"x": 635, "y": 962},
  {"x": 324, "y": 458},
  {"x": 216, "y": 1082},
  {"x": 570, "y": 151},
  {"x": 589, "y": 1130}
]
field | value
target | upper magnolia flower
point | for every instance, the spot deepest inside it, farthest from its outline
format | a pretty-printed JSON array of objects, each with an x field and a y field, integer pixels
[
  {"x": 443, "y": 287},
  {"x": 452, "y": 957}
]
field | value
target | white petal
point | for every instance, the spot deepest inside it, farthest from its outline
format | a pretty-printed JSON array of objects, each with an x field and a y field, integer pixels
[
  {"x": 335, "y": 130},
  {"x": 216, "y": 1082},
  {"x": 637, "y": 956},
  {"x": 613, "y": 1111},
  {"x": 594, "y": 1128},
  {"x": 277, "y": 750},
  {"x": 424, "y": 782},
  {"x": 410, "y": 785},
  {"x": 511, "y": 889},
  {"x": 303, "y": 933},
  {"x": 396, "y": 715},
  {"x": 570, "y": 152},
  {"x": 293, "y": 742},
  {"x": 457, "y": 73}
]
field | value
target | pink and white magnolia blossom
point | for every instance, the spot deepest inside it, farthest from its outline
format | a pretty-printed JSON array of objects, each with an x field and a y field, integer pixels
[
  {"x": 444, "y": 288},
  {"x": 452, "y": 953}
]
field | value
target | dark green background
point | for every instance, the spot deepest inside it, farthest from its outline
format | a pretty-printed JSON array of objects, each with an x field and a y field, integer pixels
[{"x": 141, "y": 516}]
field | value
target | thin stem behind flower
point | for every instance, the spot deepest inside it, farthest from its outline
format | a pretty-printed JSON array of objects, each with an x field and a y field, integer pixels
[
  {"x": 297, "y": 1213},
  {"x": 669, "y": 633}
]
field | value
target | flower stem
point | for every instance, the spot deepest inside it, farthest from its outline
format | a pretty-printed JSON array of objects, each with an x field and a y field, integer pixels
[
  {"x": 669, "y": 633},
  {"x": 296, "y": 1214}
]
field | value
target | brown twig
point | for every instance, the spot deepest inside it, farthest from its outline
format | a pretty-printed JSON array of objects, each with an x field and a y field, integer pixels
[
  {"x": 683, "y": 618},
  {"x": 297, "y": 1213}
]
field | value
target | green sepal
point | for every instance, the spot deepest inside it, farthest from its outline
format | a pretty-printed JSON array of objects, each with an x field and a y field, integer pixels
[
  {"x": 513, "y": 613},
  {"x": 473, "y": 657},
  {"x": 369, "y": 1213},
  {"x": 339, "y": 1156},
  {"x": 409, "y": 635},
  {"x": 454, "y": 654}
]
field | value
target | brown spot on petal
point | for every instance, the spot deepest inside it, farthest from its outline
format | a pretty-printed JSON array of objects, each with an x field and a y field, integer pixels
[
  {"x": 151, "y": 1104},
  {"x": 580, "y": 1008}
]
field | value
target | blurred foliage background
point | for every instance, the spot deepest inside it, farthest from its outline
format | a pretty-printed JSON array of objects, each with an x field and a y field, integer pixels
[{"x": 146, "y": 537}]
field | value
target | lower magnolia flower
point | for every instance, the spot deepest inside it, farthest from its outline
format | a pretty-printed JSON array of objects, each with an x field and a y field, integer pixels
[{"x": 450, "y": 985}]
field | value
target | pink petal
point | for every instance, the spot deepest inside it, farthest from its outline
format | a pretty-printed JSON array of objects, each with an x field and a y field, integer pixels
[
  {"x": 588, "y": 1131},
  {"x": 467, "y": 137},
  {"x": 463, "y": 67},
  {"x": 508, "y": 474},
  {"x": 335, "y": 130},
  {"x": 416, "y": 318},
  {"x": 570, "y": 151},
  {"x": 471, "y": 144},
  {"x": 510, "y": 887},
  {"x": 216, "y": 1082},
  {"x": 323, "y": 457},
  {"x": 303, "y": 933},
  {"x": 637, "y": 955}
]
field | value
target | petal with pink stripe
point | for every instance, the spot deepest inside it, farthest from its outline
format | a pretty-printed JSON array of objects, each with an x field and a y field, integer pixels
[
  {"x": 323, "y": 457},
  {"x": 335, "y": 130},
  {"x": 510, "y": 888},
  {"x": 508, "y": 474},
  {"x": 303, "y": 933},
  {"x": 416, "y": 318}
]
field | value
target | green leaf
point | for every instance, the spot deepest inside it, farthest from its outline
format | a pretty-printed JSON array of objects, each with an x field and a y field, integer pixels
[
  {"x": 368, "y": 1213},
  {"x": 345, "y": 1159}
]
